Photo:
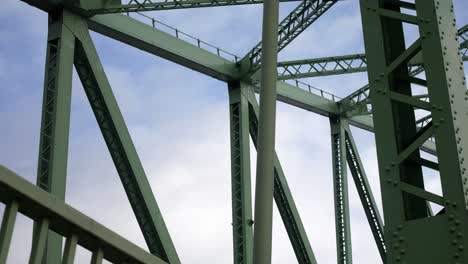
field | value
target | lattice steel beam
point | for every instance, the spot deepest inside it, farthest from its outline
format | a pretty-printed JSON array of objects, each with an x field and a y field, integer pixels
[
  {"x": 55, "y": 124},
  {"x": 322, "y": 66},
  {"x": 106, "y": 7},
  {"x": 119, "y": 143},
  {"x": 365, "y": 192},
  {"x": 340, "y": 190},
  {"x": 398, "y": 138},
  {"x": 294, "y": 24},
  {"x": 242, "y": 220}
]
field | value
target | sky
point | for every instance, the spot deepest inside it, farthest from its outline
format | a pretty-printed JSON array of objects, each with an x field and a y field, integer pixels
[{"x": 179, "y": 122}]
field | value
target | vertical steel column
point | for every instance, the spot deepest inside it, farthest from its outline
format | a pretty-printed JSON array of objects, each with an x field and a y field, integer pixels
[
  {"x": 365, "y": 193},
  {"x": 55, "y": 124},
  {"x": 240, "y": 174},
  {"x": 340, "y": 186},
  {"x": 283, "y": 198},
  {"x": 120, "y": 145},
  {"x": 266, "y": 133},
  {"x": 412, "y": 234}
]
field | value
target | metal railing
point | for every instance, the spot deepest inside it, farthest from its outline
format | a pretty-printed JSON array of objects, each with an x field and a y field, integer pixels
[
  {"x": 50, "y": 213},
  {"x": 186, "y": 37},
  {"x": 223, "y": 53}
]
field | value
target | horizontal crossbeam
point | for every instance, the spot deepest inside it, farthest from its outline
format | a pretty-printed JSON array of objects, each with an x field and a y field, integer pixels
[
  {"x": 108, "y": 7},
  {"x": 322, "y": 66}
]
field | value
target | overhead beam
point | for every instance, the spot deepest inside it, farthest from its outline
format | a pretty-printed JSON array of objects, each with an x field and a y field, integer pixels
[
  {"x": 306, "y": 13},
  {"x": 107, "y": 7},
  {"x": 142, "y": 36},
  {"x": 322, "y": 66}
]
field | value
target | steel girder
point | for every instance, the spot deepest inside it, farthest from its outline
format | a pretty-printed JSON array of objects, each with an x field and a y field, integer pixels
[
  {"x": 157, "y": 42},
  {"x": 119, "y": 143},
  {"x": 322, "y": 66},
  {"x": 107, "y": 7},
  {"x": 404, "y": 196},
  {"x": 358, "y": 102},
  {"x": 336, "y": 65},
  {"x": 289, "y": 28},
  {"x": 340, "y": 190},
  {"x": 242, "y": 220},
  {"x": 55, "y": 124},
  {"x": 50, "y": 213}
]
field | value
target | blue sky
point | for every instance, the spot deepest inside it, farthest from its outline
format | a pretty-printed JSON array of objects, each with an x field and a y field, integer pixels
[{"x": 179, "y": 121}]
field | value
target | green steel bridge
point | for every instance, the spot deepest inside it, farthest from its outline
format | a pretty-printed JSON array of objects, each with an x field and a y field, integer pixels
[{"x": 405, "y": 123}]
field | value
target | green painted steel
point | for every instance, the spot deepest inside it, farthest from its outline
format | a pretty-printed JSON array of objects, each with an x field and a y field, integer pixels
[
  {"x": 53, "y": 213},
  {"x": 121, "y": 148},
  {"x": 97, "y": 257},
  {"x": 322, "y": 66},
  {"x": 70, "y": 249},
  {"x": 365, "y": 192},
  {"x": 306, "y": 13},
  {"x": 263, "y": 210},
  {"x": 159, "y": 43},
  {"x": 393, "y": 69},
  {"x": 105, "y": 7},
  {"x": 6, "y": 232},
  {"x": 39, "y": 242},
  {"x": 408, "y": 222},
  {"x": 283, "y": 198},
  {"x": 340, "y": 190},
  {"x": 358, "y": 103},
  {"x": 242, "y": 220},
  {"x": 55, "y": 124},
  {"x": 152, "y": 40}
]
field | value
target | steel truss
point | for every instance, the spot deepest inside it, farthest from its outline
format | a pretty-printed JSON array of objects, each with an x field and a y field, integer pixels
[
  {"x": 412, "y": 233},
  {"x": 408, "y": 219}
]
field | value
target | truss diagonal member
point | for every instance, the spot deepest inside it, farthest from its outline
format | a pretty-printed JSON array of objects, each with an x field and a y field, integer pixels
[
  {"x": 121, "y": 148},
  {"x": 283, "y": 198},
  {"x": 399, "y": 137},
  {"x": 108, "y": 7},
  {"x": 340, "y": 187},
  {"x": 356, "y": 103},
  {"x": 365, "y": 192},
  {"x": 240, "y": 174},
  {"x": 306, "y": 13},
  {"x": 55, "y": 123}
]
